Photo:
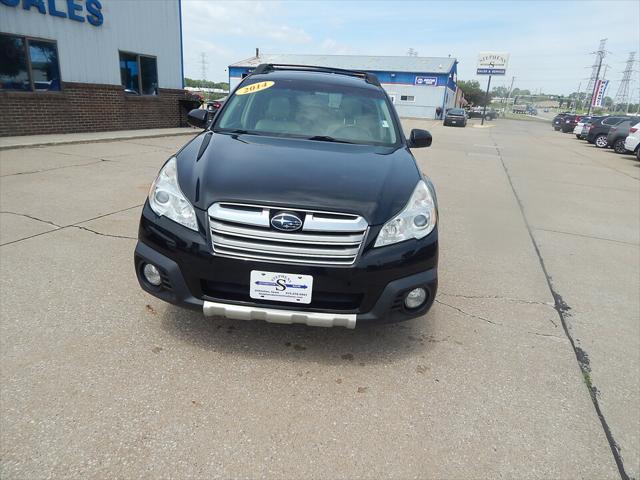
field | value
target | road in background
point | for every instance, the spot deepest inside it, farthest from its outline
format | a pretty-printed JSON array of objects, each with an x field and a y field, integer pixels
[{"x": 101, "y": 380}]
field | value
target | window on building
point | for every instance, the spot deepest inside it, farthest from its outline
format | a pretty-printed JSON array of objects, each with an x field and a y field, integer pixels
[
  {"x": 407, "y": 98},
  {"x": 28, "y": 64},
  {"x": 139, "y": 74}
]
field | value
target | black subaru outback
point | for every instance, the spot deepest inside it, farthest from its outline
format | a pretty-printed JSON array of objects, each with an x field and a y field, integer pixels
[{"x": 300, "y": 203}]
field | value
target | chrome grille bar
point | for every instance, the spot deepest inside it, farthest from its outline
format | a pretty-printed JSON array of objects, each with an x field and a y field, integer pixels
[{"x": 326, "y": 238}]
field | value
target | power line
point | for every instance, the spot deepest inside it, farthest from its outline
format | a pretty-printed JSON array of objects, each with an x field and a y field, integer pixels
[
  {"x": 623, "y": 96},
  {"x": 203, "y": 65},
  {"x": 595, "y": 72}
]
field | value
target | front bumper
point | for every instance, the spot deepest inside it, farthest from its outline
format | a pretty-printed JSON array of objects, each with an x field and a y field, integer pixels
[{"x": 371, "y": 290}]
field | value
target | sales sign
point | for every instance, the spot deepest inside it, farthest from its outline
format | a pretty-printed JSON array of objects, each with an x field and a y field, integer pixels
[
  {"x": 492, "y": 63},
  {"x": 601, "y": 88},
  {"x": 428, "y": 81}
]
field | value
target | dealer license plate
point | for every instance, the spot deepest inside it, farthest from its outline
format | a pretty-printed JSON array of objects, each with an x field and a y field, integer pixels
[
  {"x": 453, "y": 121},
  {"x": 281, "y": 287}
]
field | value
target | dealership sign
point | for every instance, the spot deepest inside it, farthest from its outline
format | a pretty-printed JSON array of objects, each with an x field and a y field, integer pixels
[
  {"x": 492, "y": 63},
  {"x": 428, "y": 81},
  {"x": 77, "y": 10},
  {"x": 601, "y": 88}
]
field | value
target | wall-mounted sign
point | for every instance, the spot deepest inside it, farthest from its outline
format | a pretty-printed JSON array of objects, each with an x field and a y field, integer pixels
[
  {"x": 492, "y": 63},
  {"x": 601, "y": 89},
  {"x": 428, "y": 81},
  {"x": 77, "y": 10}
]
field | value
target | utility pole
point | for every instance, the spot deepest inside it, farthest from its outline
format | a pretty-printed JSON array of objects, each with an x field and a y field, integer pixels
[
  {"x": 203, "y": 65},
  {"x": 593, "y": 81},
  {"x": 575, "y": 104},
  {"x": 510, "y": 88},
  {"x": 622, "y": 96},
  {"x": 486, "y": 100},
  {"x": 504, "y": 112}
]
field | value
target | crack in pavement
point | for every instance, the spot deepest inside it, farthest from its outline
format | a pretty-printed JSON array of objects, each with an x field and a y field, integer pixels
[
  {"x": 593, "y": 237},
  {"x": 591, "y": 186},
  {"x": 497, "y": 297},
  {"x": 102, "y": 234},
  {"x": 472, "y": 315},
  {"x": 56, "y": 168},
  {"x": 72, "y": 225},
  {"x": 467, "y": 314},
  {"x": 31, "y": 217},
  {"x": 563, "y": 309},
  {"x": 547, "y": 335}
]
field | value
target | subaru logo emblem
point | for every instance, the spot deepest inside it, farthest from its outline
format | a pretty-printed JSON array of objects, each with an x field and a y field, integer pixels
[{"x": 287, "y": 222}]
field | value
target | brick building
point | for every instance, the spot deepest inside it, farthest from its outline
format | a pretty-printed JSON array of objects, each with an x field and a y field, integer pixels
[{"x": 89, "y": 65}]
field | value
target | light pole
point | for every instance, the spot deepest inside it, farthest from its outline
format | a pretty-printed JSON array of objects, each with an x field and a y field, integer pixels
[
  {"x": 486, "y": 100},
  {"x": 504, "y": 112},
  {"x": 575, "y": 105}
]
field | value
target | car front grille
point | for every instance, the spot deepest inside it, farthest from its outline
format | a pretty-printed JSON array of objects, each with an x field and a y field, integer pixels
[{"x": 326, "y": 238}]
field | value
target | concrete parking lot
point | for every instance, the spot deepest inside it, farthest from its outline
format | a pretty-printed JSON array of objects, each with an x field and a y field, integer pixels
[{"x": 526, "y": 367}]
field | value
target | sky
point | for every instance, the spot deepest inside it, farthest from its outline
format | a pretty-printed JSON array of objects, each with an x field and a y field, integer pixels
[{"x": 550, "y": 42}]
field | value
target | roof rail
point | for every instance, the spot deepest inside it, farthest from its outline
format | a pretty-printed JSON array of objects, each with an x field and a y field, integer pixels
[{"x": 270, "y": 67}]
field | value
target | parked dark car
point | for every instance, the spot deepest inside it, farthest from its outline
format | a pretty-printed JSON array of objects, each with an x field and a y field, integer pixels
[
  {"x": 558, "y": 119},
  {"x": 301, "y": 203},
  {"x": 477, "y": 112},
  {"x": 455, "y": 117},
  {"x": 599, "y": 130},
  {"x": 569, "y": 122},
  {"x": 588, "y": 121},
  {"x": 617, "y": 135},
  {"x": 212, "y": 108}
]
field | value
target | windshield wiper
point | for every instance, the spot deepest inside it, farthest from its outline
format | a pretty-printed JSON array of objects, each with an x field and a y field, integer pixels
[
  {"x": 236, "y": 131},
  {"x": 326, "y": 138}
]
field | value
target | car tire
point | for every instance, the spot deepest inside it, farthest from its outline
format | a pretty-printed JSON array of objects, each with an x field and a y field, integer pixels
[
  {"x": 578, "y": 137},
  {"x": 601, "y": 141},
  {"x": 638, "y": 153},
  {"x": 618, "y": 146},
  {"x": 556, "y": 128}
]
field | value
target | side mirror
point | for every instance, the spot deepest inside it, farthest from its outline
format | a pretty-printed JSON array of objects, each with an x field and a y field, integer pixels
[
  {"x": 197, "y": 118},
  {"x": 419, "y": 138}
]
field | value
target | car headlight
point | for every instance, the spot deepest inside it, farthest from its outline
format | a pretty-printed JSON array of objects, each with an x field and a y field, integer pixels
[
  {"x": 416, "y": 220},
  {"x": 166, "y": 198}
]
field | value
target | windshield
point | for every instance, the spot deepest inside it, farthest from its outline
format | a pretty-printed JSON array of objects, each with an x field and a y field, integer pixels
[
  {"x": 456, "y": 111},
  {"x": 310, "y": 109}
]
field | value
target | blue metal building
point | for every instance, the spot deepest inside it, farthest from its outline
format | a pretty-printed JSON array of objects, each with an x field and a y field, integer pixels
[{"x": 416, "y": 85}]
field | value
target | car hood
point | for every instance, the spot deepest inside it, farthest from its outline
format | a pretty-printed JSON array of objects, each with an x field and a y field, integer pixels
[{"x": 374, "y": 182}]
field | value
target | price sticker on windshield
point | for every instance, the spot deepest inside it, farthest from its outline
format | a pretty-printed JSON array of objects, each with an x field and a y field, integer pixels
[{"x": 255, "y": 87}]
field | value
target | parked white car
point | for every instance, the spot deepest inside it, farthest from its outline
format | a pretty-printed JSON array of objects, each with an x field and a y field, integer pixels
[{"x": 633, "y": 139}]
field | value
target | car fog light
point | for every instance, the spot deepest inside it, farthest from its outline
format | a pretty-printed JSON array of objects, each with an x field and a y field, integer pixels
[
  {"x": 415, "y": 298},
  {"x": 152, "y": 274},
  {"x": 420, "y": 220}
]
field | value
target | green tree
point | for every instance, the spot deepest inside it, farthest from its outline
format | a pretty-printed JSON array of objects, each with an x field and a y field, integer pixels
[
  {"x": 500, "y": 92},
  {"x": 190, "y": 82},
  {"x": 473, "y": 92}
]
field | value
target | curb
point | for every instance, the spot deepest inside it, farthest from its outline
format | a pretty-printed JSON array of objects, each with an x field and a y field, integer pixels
[{"x": 94, "y": 140}]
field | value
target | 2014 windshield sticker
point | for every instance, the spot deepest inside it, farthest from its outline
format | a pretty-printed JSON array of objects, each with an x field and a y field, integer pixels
[{"x": 255, "y": 87}]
